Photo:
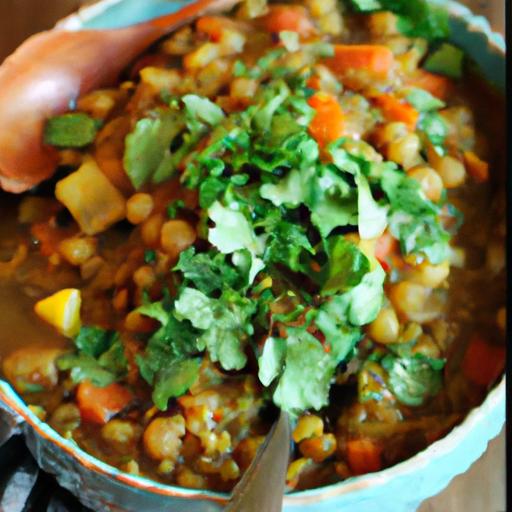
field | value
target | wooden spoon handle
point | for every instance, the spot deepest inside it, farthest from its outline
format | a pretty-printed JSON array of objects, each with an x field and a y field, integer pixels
[{"x": 261, "y": 488}]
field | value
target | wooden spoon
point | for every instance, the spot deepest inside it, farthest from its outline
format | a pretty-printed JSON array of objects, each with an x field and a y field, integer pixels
[{"x": 261, "y": 488}]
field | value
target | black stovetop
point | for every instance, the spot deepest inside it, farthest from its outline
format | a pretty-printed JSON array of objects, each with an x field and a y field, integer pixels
[{"x": 25, "y": 488}]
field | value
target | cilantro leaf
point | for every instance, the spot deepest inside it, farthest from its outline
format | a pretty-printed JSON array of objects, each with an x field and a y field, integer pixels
[
  {"x": 286, "y": 244},
  {"x": 414, "y": 220},
  {"x": 233, "y": 232},
  {"x": 434, "y": 127},
  {"x": 203, "y": 109},
  {"x": 100, "y": 357},
  {"x": 175, "y": 380},
  {"x": 305, "y": 381},
  {"x": 225, "y": 322},
  {"x": 332, "y": 201},
  {"x": 209, "y": 271},
  {"x": 346, "y": 266},
  {"x": 423, "y": 101},
  {"x": 413, "y": 379},
  {"x": 361, "y": 304},
  {"x": 147, "y": 148},
  {"x": 272, "y": 360},
  {"x": 372, "y": 217},
  {"x": 417, "y": 18}
]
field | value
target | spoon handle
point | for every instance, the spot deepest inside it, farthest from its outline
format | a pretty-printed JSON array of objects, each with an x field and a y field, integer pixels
[{"x": 262, "y": 486}]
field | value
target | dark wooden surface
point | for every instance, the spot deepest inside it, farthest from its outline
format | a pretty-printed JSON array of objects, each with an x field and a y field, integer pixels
[{"x": 482, "y": 488}]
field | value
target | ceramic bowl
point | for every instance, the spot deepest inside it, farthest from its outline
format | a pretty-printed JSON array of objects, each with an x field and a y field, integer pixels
[{"x": 400, "y": 488}]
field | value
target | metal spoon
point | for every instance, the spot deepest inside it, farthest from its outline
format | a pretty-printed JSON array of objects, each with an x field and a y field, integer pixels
[{"x": 261, "y": 489}]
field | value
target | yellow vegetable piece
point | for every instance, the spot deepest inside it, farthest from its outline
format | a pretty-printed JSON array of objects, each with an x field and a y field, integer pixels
[
  {"x": 62, "y": 311},
  {"x": 90, "y": 197}
]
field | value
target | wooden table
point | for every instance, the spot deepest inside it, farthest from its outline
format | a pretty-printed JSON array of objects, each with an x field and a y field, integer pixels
[{"x": 482, "y": 488}]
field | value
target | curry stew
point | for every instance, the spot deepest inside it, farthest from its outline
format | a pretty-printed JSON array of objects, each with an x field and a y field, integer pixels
[{"x": 293, "y": 205}]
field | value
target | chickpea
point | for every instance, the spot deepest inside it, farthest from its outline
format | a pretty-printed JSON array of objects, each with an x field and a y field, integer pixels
[
  {"x": 430, "y": 182},
  {"x": 65, "y": 418},
  {"x": 187, "y": 478},
  {"x": 390, "y": 132},
  {"x": 385, "y": 328},
  {"x": 77, "y": 250},
  {"x": 451, "y": 170},
  {"x": 431, "y": 276},
  {"x": 229, "y": 470},
  {"x": 308, "y": 426},
  {"x": 162, "y": 438},
  {"x": 135, "y": 322},
  {"x": 32, "y": 368},
  {"x": 144, "y": 277},
  {"x": 151, "y": 229},
  {"x": 409, "y": 298},
  {"x": 427, "y": 347},
  {"x": 405, "y": 151},
  {"x": 139, "y": 208},
  {"x": 120, "y": 434},
  {"x": 176, "y": 236},
  {"x": 318, "y": 448}
]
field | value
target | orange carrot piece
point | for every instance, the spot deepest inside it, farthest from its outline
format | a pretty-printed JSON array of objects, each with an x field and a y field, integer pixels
[
  {"x": 386, "y": 246},
  {"x": 315, "y": 83},
  {"x": 436, "y": 85},
  {"x": 476, "y": 167},
  {"x": 483, "y": 363},
  {"x": 364, "y": 456},
  {"x": 98, "y": 405},
  {"x": 293, "y": 18},
  {"x": 375, "y": 59},
  {"x": 395, "y": 110},
  {"x": 328, "y": 124}
]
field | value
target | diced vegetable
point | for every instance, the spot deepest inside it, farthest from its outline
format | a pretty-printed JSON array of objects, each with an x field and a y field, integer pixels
[
  {"x": 446, "y": 60},
  {"x": 483, "y": 363},
  {"x": 374, "y": 59},
  {"x": 364, "y": 456},
  {"x": 74, "y": 130},
  {"x": 62, "y": 311},
  {"x": 395, "y": 110},
  {"x": 99, "y": 404},
  {"x": 293, "y": 18},
  {"x": 328, "y": 125},
  {"x": 90, "y": 197}
]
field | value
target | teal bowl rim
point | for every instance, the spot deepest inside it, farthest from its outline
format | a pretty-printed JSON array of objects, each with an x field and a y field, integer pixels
[{"x": 11, "y": 403}]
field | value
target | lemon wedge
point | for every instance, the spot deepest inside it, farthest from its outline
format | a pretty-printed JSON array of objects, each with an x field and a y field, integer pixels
[{"x": 62, "y": 311}]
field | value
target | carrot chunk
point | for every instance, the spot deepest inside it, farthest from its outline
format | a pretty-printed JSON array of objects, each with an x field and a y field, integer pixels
[
  {"x": 395, "y": 110},
  {"x": 328, "y": 124},
  {"x": 476, "y": 167},
  {"x": 436, "y": 85},
  {"x": 98, "y": 405},
  {"x": 483, "y": 362},
  {"x": 364, "y": 456},
  {"x": 377, "y": 60},
  {"x": 386, "y": 245},
  {"x": 293, "y": 18}
]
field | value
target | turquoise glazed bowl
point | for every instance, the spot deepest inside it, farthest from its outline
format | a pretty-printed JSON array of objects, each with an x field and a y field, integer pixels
[{"x": 398, "y": 489}]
